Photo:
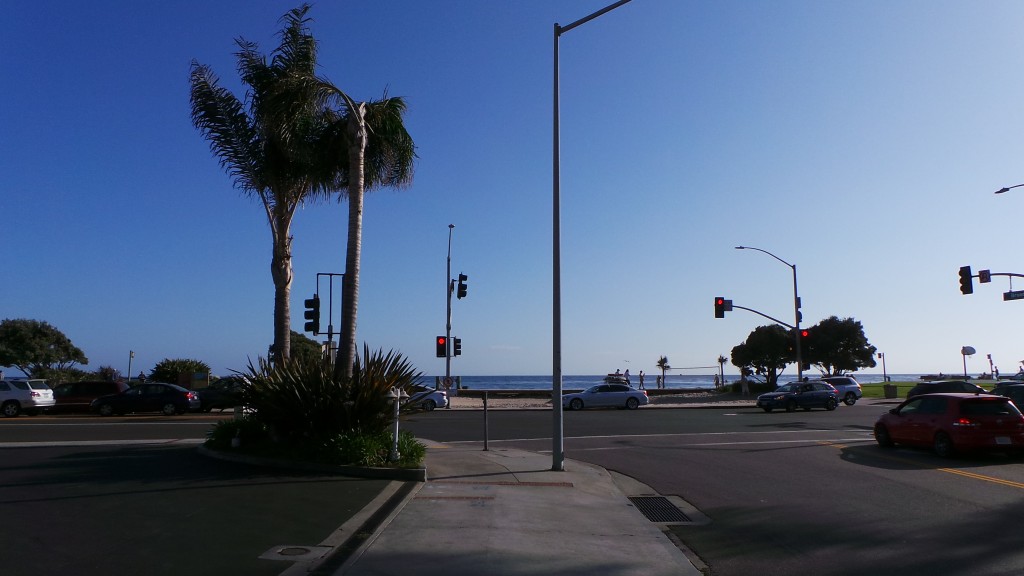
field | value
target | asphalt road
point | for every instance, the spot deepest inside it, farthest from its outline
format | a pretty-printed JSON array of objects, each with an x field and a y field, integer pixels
[
  {"x": 791, "y": 493},
  {"x": 84, "y": 500},
  {"x": 787, "y": 493}
]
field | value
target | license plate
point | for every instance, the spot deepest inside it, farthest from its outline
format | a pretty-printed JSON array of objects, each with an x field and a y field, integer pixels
[{"x": 1003, "y": 440}]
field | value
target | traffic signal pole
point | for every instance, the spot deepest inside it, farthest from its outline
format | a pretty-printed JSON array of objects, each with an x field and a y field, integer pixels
[{"x": 449, "y": 286}]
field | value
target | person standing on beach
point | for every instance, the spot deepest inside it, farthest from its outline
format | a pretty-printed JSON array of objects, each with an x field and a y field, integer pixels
[
  {"x": 641, "y": 379},
  {"x": 626, "y": 374}
]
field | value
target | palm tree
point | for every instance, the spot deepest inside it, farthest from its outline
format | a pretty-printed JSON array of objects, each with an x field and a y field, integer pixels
[
  {"x": 663, "y": 364},
  {"x": 380, "y": 153},
  {"x": 270, "y": 143}
]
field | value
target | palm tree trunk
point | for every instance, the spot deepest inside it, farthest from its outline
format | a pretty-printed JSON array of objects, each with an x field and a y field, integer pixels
[
  {"x": 350, "y": 285},
  {"x": 281, "y": 272}
]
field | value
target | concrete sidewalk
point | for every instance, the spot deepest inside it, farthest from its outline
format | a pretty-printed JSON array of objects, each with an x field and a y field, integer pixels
[{"x": 504, "y": 512}]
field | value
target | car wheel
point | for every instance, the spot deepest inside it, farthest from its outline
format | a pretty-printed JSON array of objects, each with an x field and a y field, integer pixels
[
  {"x": 806, "y": 408},
  {"x": 831, "y": 404},
  {"x": 169, "y": 409},
  {"x": 576, "y": 404},
  {"x": 791, "y": 406},
  {"x": 429, "y": 405},
  {"x": 11, "y": 409},
  {"x": 942, "y": 445},
  {"x": 850, "y": 399},
  {"x": 767, "y": 409},
  {"x": 882, "y": 436},
  {"x": 106, "y": 410},
  {"x": 632, "y": 403}
]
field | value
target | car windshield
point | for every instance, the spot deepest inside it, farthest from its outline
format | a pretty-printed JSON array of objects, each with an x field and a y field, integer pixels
[{"x": 38, "y": 384}]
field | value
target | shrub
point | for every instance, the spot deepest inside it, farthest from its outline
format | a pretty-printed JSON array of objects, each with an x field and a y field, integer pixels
[
  {"x": 301, "y": 400},
  {"x": 168, "y": 370}
]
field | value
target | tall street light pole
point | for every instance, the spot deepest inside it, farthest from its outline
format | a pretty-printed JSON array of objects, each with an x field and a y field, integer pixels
[
  {"x": 557, "y": 447},
  {"x": 796, "y": 310},
  {"x": 450, "y": 284}
]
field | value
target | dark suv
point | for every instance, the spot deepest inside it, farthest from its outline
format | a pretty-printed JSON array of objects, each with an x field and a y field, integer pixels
[
  {"x": 936, "y": 386},
  {"x": 77, "y": 396},
  {"x": 848, "y": 388}
]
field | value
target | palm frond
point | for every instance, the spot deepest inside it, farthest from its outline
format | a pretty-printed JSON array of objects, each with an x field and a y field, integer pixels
[{"x": 221, "y": 118}]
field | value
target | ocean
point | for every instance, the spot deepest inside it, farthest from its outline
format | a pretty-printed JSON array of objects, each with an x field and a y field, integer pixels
[{"x": 676, "y": 381}]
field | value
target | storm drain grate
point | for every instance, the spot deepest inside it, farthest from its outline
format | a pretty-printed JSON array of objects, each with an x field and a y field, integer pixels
[{"x": 658, "y": 509}]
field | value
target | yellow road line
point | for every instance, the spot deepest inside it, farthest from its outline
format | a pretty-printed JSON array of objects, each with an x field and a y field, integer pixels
[
  {"x": 964, "y": 473},
  {"x": 994, "y": 480}
]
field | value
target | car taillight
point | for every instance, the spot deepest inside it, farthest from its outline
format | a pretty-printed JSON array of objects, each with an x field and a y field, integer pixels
[
  {"x": 645, "y": 392},
  {"x": 34, "y": 394},
  {"x": 190, "y": 396},
  {"x": 965, "y": 423}
]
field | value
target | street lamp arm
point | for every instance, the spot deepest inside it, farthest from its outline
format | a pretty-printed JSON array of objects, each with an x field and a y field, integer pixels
[
  {"x": 1008, "y": 188},
  {"x": 562, "y": 29},
  {"x": 770, "y": 254}
]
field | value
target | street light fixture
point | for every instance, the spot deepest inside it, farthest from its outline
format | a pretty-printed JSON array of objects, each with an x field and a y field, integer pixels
[
  {"x": 557, "y": 448},
  {"x": 1008, "y": 188},
  {"x": 796, "y": 310}
]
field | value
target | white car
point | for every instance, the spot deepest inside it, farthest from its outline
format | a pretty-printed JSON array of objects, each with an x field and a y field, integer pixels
[
  {"x": 426, "y": 397},
  {"x": 606, "y": 396},
  {"x": 29, "y": 396}
]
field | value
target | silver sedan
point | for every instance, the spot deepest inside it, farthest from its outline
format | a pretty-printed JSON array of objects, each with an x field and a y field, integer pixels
[{"x": 606, "y": 396}]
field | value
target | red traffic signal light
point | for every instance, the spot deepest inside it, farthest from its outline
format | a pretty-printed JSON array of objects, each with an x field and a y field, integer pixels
[
  {"x": 722, "y": 306},
  {"x": 442, "y": 346},
  {"x": 805, "y": 333}
]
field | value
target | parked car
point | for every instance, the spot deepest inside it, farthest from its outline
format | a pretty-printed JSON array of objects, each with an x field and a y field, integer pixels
[
  {"x": 222, "y": 393},
  {"x": 1013, "y": 390},
  {"x": 953, "y": 422},
  {"x": 29, "y": 396},
  {"x": 77, "y": 396},
  {"x": 847, "y": 386},
  {"x": 606, "y": 396},
  {"x": 150, "y": 397},
  {"x": 426, "y": 398},
  {"x": 936, "y": 386},
  {"x": 806, "y": 395}
]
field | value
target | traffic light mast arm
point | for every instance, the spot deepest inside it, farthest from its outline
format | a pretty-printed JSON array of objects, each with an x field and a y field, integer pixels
[{"x": 776, "y": 320}]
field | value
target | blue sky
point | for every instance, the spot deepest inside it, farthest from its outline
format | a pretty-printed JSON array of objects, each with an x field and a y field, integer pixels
[{"x": 861, "y": 141}]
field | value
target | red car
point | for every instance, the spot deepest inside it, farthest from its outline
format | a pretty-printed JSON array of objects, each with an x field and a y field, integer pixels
[{"x": 954, "y": 422}]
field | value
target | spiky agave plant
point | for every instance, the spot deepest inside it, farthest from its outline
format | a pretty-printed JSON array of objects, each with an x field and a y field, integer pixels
[
  {"x": 373, "y": 377},
  {"x": 302, "y": 399}
]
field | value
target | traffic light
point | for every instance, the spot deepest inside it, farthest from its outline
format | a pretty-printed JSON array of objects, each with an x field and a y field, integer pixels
[
  {"x": 722, "y": 306},
  {"x": 984, "y": 276},
  {"x": 456, "y": 346},
  {"x": 462, "y": 286},
  {"x": 966, "y": 282},
  {"x": 442, "y": 346},
  {"x": 312, "y": 314}
]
